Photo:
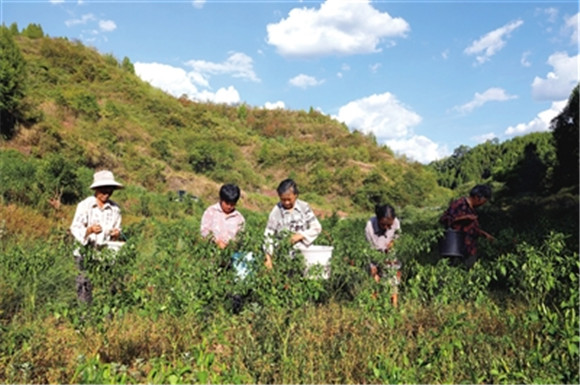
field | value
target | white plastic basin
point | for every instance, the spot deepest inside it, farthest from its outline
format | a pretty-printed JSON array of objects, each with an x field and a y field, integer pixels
[
  {"x": 318, "y": 255},
  {"x": 115, "y": 245}
]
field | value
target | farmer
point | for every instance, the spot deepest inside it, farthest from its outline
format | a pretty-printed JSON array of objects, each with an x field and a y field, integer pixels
[
  {"x": 461, "y": 216},
  {"x": 381, "y": 232},
  {"x": 221, "y": 221},
  {"x": 97, "y": 220},
  {"x": 290, "y": 214}
]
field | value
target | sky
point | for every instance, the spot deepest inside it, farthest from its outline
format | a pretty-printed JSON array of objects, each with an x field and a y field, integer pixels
[{"x": 424, "y": 77}]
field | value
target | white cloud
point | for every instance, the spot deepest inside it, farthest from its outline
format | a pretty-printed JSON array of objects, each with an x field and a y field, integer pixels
[
  {"x": 484, "y": 137},
  {"x": 107, "y": 25},
  {"x": 224, "y": 95},
  {"x": 540, "y": 123},
  {"x": 56, "y": 1},
  {"x": 338, "y": 27},
  {"x": 375, "y": 67},
  {"x": 418, "y": 148},
  {"x": 83, "y": 20},
  {"x": 445, "y": 54},
  {"x": 304, "y": 81},
  {"x": 274, "y": 106},
  {"x": 178, "y": 82},
  {"x": 559, "y": 83},
  {"x": 382, "y": 115},
  {"x": 524, "y": 60},
  {"x": 492, "y": 42},
  {"x": 493, "y": 94},
  {"x": 552, "y": 14},
  {"x": 238, "y": 65},
  {"x": 198, "y": 3},
  {"x": 571, "y": 27}
]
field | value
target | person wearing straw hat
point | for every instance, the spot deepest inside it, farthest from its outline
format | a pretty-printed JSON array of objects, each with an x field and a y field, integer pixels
[{"x": 97, "y": 220}]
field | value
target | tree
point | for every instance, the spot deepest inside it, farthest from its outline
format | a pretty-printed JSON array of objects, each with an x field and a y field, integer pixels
[
  {"x": 565, "y": 132},
  {"x": 12, "y": 78},
  {"x": 14, "y": 29},
  {"x": 127, "y": 65},
  {"x": 33, "y": 31}
]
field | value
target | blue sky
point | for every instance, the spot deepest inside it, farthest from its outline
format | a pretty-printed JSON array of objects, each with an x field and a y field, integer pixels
[{"x": 423, "y": 76}]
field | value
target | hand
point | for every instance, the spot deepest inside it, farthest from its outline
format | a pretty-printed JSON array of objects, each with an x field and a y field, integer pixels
[
  {"x": 221, "y": 244},
  {"x": 114, "y": 234},
  {"x": 296, "y": 238},
  {"x": 94, "y": 229},
  {"x": 489, "y": 237},
  {"x": 375, "y": 273},
  {"x": 268, "y": 262}
]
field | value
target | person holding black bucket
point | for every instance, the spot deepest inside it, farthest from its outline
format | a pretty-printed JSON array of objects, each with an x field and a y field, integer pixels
[{"x": 461, "y": 220}]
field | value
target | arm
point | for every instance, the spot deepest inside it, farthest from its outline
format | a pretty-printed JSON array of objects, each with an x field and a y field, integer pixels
[
  {"x": 79, "y": 227},
  {"x": 370, "y": 234},
  {"x": 396, "y": 229},
  {"x": 309, "y": 235},
  {"x": 458, "y": 213},
  {"x": 312, "y": 230},
  {"x": 464, "y": 218},
  {"x": 269, "y": 234},
  {"x": 206, "y": 223},
  {"x": 487, "y": 235},
  {"x": 116, "y": 229}
]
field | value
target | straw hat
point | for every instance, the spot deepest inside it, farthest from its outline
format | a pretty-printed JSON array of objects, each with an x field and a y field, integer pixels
[{"x": 105, "y": 178}]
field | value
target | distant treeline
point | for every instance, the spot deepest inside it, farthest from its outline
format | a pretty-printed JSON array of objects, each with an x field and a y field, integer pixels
[{"x": 537, "y": 163}]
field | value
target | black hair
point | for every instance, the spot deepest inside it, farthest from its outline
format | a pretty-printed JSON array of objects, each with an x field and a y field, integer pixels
[
  {"x": 286, "y": 185},
  {"x": 385, "y": 211},
  {"x": 481, "y": 191},
  {"x": 230, "y": 193}
]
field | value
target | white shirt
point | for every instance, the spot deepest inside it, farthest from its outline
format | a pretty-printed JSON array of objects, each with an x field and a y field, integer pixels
[
  {"x": 379, "y": 238},
  {"x": 300, "y": 219},
  {"x": 89, "y": 213}
]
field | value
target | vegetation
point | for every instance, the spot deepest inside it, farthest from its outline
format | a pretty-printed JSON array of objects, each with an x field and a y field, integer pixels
[
  {"x": 174, "y": 314},
  {"x": 94, "y": 111},
  {"x": 11, "y": 82},
  {"x": 567, "y": 139}
]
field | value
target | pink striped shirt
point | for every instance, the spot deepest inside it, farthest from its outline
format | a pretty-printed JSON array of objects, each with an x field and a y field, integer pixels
[{"x": 224, "y": 227}]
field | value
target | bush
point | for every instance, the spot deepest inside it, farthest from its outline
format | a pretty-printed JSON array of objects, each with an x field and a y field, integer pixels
[{"x": 17, "y": 178}]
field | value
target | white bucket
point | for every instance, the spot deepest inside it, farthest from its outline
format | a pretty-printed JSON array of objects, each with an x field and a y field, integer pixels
[
  {"x": 107, "y": 251},
  {"x": 114, "y": 245},
  {"x": 318, "y": 255}
]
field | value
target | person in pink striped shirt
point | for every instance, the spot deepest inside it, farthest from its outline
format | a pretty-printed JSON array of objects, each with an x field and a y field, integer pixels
[{"x": 221, "y": 221}]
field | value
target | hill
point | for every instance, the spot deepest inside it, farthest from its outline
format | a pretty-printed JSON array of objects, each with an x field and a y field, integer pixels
[{"x": 89, "y": 111}]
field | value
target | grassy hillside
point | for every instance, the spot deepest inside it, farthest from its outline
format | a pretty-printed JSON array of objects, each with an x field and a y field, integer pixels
[
  {"x": 164, "y": 309},
  {"x": 94, "y": 111}
]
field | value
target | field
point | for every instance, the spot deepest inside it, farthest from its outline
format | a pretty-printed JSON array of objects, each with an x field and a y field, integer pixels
[
  {"x": 167, "y": 310},
  {"x": 168, "y": 307}
]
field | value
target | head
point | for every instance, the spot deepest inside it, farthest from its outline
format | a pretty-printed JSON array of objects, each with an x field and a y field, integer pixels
[
  {"x": 385, "y": 216},
  {"x": 480, "y": 194},
  {"x": 229, "y": 196},
  {"x": 288, "y": 193},
  {"x": 104, "y": 184}
]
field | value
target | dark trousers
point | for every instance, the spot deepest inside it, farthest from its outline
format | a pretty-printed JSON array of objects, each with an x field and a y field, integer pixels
[
  {"x": 83, "y": 283},
  {"x": 468, "y": 261}
]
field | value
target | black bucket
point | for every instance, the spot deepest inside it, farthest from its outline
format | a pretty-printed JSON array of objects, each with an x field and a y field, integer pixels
[{"x": 451, "y": 245}]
